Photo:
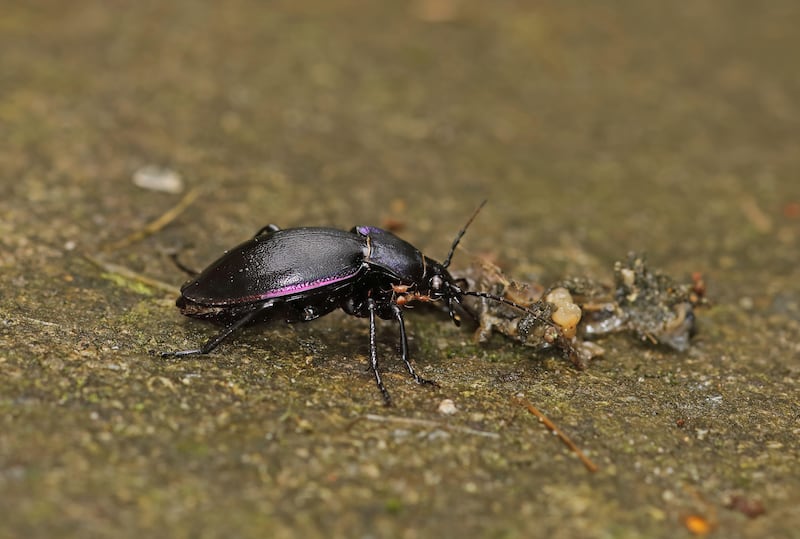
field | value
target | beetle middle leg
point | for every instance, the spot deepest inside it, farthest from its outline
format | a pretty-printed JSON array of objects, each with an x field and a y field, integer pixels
[
  {"x": 398, "y": 315},
  {"x": 373, "y": 353}
]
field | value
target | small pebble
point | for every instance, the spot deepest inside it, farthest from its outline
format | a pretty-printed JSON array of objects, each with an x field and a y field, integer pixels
[
  {"x": 447, "y": 407},
  {"x": 157, "y": 178}
]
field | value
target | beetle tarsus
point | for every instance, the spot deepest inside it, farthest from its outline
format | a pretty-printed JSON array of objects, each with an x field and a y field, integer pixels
[{"x": 216, "y": 340}]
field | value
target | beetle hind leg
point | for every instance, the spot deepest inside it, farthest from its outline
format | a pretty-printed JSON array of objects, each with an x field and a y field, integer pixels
[
  {"x": 191, "y": 272},
  {"x": 269, "y": 229},
  {"x": 217, "y": 339},
  {"x": 398, "y": 315}
]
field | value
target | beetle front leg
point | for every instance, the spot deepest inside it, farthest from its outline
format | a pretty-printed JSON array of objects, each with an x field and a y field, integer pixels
[
  {"x": 398, "y": 315},
  {"x": 373, "y": 353}
]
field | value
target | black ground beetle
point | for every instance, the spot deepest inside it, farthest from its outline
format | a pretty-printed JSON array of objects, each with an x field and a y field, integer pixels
[{"x": 299, "y": 274}]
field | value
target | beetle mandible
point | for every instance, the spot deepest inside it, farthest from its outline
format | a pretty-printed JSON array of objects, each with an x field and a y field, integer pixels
[{"x": 300, "y": 274}]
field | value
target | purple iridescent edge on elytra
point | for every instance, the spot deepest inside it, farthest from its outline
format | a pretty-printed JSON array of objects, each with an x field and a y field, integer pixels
[{"x": 294, "y": 289}]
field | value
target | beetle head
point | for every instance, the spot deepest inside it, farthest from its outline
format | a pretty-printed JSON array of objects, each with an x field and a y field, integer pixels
[{"x": 440, "y": 286}]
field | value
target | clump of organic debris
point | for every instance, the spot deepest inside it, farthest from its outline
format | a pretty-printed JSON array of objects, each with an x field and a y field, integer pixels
[{"x": 566, "y": 316}]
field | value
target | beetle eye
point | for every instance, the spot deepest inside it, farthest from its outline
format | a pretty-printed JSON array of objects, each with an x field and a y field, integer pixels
[{"x": 436, "y": 282}]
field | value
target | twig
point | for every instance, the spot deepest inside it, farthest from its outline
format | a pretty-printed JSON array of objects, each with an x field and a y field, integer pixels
[
  {"x": 151, "y": 228},
  {"x": 753, "y": 213},
  {"x": 125, "y": 273},
  {"x": 591, "y": 466},
  {"x": 41, "y": 322},
  {"x": 427, "y": 423},
  {"x": 154, "y": 226}
]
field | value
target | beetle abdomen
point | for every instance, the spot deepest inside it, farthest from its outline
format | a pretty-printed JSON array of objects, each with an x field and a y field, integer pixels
[{"x": 282, "y": 264}]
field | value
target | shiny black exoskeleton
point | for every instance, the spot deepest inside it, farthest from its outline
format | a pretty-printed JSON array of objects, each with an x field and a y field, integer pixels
[{"x": 300, "y": 274}]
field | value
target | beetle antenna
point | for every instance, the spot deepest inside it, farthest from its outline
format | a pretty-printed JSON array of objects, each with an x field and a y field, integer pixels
[{"x": 461, "y": 234}]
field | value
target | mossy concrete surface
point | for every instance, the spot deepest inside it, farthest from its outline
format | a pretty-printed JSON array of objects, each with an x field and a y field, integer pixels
[{"x": 592, "y": 128}]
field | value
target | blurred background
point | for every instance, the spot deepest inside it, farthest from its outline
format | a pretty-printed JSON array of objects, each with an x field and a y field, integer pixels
[{"x": 592, "y": 128}]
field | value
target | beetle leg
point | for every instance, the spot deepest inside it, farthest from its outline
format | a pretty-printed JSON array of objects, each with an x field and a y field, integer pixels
[
  {"x": 398, "y": 315},
  {"x": 464, "y": 308},
  {"x": 453, "y": 315},
  {"x": 186, "y": 269},
  {"x": 269, "y": 229},
  {"x": 373, "y": 353},
  {"x": 215, "y": 341}
]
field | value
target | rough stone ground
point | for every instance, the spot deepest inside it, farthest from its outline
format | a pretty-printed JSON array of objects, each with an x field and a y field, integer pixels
[{"x": 593, "y": 129}]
